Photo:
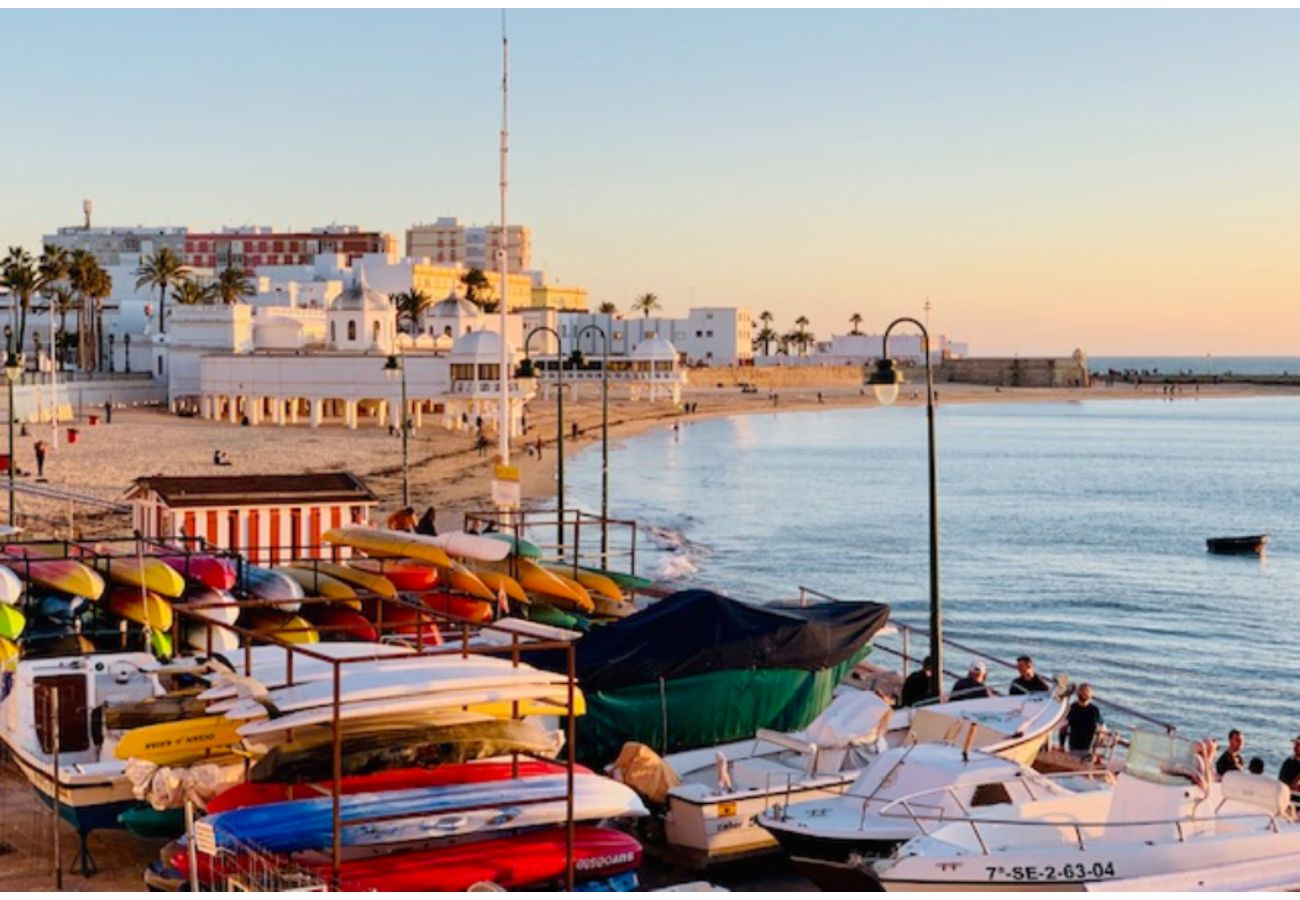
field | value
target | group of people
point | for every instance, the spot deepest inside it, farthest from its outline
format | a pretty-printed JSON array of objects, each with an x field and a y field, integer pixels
[
  {"x": 1083, "y": 721},
  {"x": 404, "y": 520},
  {"x": 1231, "y": 760}
]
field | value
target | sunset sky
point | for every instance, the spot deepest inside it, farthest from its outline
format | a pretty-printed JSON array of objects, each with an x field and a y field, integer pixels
[{"x": 1117, "y": 181}]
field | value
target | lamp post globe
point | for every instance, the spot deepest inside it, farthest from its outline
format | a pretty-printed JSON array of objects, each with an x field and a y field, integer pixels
[{"x": 885, "y": 381}]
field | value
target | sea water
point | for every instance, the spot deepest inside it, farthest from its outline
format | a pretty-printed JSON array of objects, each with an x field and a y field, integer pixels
[{"x": 1074, "y": 532}]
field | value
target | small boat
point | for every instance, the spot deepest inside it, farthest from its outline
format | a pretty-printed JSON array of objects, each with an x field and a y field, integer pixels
[{"x": 1243, "y": 545}]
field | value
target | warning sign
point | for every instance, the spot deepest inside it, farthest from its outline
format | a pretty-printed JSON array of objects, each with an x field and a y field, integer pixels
[{"x": 505, "y": 487}]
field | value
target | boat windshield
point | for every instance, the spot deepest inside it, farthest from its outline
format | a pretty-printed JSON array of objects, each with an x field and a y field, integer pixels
[{"x": 1163, "y": 759}]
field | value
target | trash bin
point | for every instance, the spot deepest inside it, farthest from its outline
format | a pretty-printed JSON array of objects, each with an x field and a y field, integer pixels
[
  {"x": 4, "y": 462},
  {"x": 73, "y": 434},
  {"x": 94, "y": 420}
]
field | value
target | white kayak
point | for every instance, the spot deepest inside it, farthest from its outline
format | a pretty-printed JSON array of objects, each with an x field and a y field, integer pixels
[
  {"x": 11, "y": 586},
  {"x": 471, "y": 546}
]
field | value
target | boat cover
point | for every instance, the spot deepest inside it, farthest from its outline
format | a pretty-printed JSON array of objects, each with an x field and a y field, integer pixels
[{"x": 696, "y": 632}]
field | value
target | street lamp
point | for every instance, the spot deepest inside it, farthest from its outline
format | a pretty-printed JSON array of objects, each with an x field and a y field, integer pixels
[
  {"x": 13, "y": 371},
  {"x": 394, "y": 370},
  {"x": 884, "y": 382},
  {"x": 525, "y": 368},
  {"x": 604, "y": 440}
]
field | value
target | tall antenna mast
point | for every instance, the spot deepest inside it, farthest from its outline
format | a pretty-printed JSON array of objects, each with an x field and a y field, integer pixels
[{"x": 503, "y": 419}]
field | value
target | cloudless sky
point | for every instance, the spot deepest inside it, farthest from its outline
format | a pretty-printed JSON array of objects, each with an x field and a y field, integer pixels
[{"x": 1125, "y": 182}]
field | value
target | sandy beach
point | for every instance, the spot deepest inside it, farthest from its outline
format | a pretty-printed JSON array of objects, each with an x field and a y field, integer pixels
[{"x": 446, "y": 470}]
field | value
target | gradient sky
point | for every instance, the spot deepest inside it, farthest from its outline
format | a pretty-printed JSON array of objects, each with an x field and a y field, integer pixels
[{"x": 1125, "y": 182}]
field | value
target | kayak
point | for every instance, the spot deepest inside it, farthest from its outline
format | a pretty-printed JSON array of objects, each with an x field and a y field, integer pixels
[
  {"x": 12, "y": 622},
  {"x": 284, "y": 626},
  {"x": 594, "y": 583},
  {"x": 65, "y": 575},
  {"x": 143, "y": 607},
  {"x": 180, "y": 742},
  {"x": 624, "y": 580},
  {"x": 496, "y": 581},
  {"x": 385, "y": 542},
  {"x": 392, "y": 618},
  {"x": 585, "y": 603},
  {"x": 317, "y": 584},
  {"x": 9, "y": 654},
  {"x": 546, "y": 585},
  {"x": 11, "y": 586},
  {"x": 339, "y": 623},
  {"x": 267, "y": 584},
  {"x": 161, "y": 643},
  {"x": 475, "y": 610},
  {"x": 142, "y": 572},
  {"x": 367, "y": 581},
  {"x": 211, "y": 604},
  {"x": 210, "y": 571},
  {"x": 457, "y": 577},
  {"x": 471, "y": 546},
  {"x": 208, "y": 640},
  {"x": 518, "y": 862},
  {"x": 549, "y": 615},
  {"x": 518, "y": 546},
  {"x": 147, "y": 822},
  {"x": 259, "y": 792},
  {"x": 405, "y": 574}
]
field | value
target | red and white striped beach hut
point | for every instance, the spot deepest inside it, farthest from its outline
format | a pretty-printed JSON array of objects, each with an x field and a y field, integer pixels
[{"x": 270, "y": 519}]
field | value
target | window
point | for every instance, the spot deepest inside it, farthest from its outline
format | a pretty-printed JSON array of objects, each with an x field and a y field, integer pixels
[
  {"x": 489, "y": 372},
  {"x": 708, "y": 334},
  {"x": 462, "y": 372},
  {"x": 160, "y": 365},
  {"x": 374, "y": 331},
  {"x": 699, "y": 334},
  {"x": 352, "y": 330},
  {"x": 334, "y": 338}
]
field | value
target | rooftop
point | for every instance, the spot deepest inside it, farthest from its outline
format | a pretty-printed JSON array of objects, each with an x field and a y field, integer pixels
[{"x": 254, "y": 490}]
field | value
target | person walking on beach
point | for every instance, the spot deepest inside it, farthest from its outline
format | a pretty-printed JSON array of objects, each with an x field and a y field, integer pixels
[
  {"x": 1230, "y": 760},
  {"x": 919, "y": 686},
  {"x": 428, "y": 523},
  {"x": 1081, "y": 724},
  {"x": 539, "y": 448},
  {"x": 40, "y": 460},
  {"x": 972, "y": 684},
  {"x": 1028, "y": 681}
]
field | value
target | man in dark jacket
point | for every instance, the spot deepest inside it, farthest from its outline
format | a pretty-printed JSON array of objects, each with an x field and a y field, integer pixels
[
  {"x": 1028, "y": 681},
  {"x": 972, "y": 685},
  {"x": 919, "y": 686}
]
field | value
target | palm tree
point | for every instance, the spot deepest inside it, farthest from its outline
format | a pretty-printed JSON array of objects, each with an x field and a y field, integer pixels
[
  {"x": 19, "y": 273},
  {"x": 766, "y": 318},
  {"x": 98, "y": 290},
  {"x": 801, "y": 336},
  {"x": 856, "y": 321},
  {"x": 190, "y": 293},
  {"x": 62, "y": 301},
  {"x": 608, "y": 308},
  {"x": 477, "y": 288},
  {"x": 765, "y": 337},
  {"x": 163, "y": 270},
  {"x": 409, "y": 305},
  {"x": 233, "y": 285},
  {"x": 646, "y": 304},
  {"x": 82, "y": 274}
]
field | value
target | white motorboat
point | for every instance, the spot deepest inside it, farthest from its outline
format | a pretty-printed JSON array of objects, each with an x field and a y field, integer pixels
[
  {"x": 1166, "y": 815},
  {"x": 830, "y": 838},
  {"x": 713, "y": 813},
  {"x": 90, "y": 782}
]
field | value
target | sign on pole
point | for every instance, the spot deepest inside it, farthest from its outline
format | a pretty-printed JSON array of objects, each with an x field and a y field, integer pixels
[{"x": 505, "y": 487}]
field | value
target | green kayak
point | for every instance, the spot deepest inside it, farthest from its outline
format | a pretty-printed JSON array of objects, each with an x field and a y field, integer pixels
[
  {"x": 518, "y": 546},
  {"x": 549, "y": 615},
  {"x": 147, "y": 822},
  {"x": 622, "y": 579}
]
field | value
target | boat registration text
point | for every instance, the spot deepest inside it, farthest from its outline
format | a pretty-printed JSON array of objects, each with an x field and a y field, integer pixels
[{"x": 1065, "y": 872}]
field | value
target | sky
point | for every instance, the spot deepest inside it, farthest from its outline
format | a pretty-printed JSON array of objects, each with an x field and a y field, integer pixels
[{"x": 1122, "y": 182}]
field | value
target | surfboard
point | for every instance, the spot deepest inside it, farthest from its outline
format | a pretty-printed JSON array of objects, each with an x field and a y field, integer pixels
[
  {"x": 384, "y": 542},
  {"x": 179, "y": 742}
]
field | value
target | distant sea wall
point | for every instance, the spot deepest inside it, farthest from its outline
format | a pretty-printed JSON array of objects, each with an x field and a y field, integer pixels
[{"x": 1070, "y": 371}]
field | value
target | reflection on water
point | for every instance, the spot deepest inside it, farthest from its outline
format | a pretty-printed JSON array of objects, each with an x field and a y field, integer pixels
[{"x": 1072, "y": 531}]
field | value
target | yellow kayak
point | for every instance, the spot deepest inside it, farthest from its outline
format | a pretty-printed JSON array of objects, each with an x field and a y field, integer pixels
[
  {"x": 141, "y": 607},
  {"x": 64, "y": 575},
  {"x": 382, "y": 542},
  {"x": 12, "y": 622},
  {"x": 9, "y": 654},
  {"x": 550, "y": 587},
  {"x": 151, "y": 574},
  {"x": 594, "y": 582},
  {"x": 367, "y": 581},
  {"x": 584, "y": 596},
  {"x": 319, "y": 584},
  {"x": 495, "y": 581},
  {"x": 180, "y": 742},
  {"x": 458, "y": 578},
  {"x": 291, "y": 629}
]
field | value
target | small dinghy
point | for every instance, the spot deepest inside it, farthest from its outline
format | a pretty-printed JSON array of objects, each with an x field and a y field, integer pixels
[{"x": 1244, "y": 545}]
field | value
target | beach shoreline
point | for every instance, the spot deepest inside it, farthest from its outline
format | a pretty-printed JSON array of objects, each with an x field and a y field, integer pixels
[{"x": 446, "y": 469}]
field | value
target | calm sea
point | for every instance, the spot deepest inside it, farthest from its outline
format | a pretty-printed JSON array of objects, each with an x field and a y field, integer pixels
[
  {"x": 1071, "y": 531},
  {"x": 1199, "y": 365}
]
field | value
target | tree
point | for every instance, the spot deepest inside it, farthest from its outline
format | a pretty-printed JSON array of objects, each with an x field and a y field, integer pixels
[
  {"x": 766, "y": 318},
  {"x": 856, "y": 321},
  {"x": 801, "y": 337},
  {"x": 99, "y": 290},
  {"x": 646, "y": 304},
  {"x": 21, "y": 276},
  {"x": 765, "y": 338},
  {"x": 608, "y": 308},
  {"x": 190, "y": 293},
  {"x": 233, "y": 285},
  {"x": 62, "y": 301},
  {"x": 478, "y": 289},
  {"x": 163, "y": 270},
  {"x": 409, "y": 305}
]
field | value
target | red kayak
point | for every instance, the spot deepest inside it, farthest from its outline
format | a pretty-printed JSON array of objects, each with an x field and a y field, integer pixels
[
  {"x": 255, "y": 794},
  {"x": 338, "y": 623},
  {"x": 532, "y": 859},
  {"x": 400, "y": 620},
  {"x": 211, "y": 571},
  {"x": 475, "y": 610},
  {"x": 405, "y": 574}
]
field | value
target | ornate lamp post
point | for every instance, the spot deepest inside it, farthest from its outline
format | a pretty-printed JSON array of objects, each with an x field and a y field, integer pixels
[
  {"x": 395, "y": 370},
  {"x": 604, "y": 440},
  {"x": 525, "y": 371},
  {"x": 884, "y": 382}
]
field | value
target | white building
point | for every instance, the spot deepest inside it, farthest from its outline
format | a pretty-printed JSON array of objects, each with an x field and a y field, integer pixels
[
  {"x": 859, "y": 349},
  {"x": 708, "y": 335}
]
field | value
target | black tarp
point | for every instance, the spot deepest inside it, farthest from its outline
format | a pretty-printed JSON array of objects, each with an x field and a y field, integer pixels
[{"x": 695, "y": 632}]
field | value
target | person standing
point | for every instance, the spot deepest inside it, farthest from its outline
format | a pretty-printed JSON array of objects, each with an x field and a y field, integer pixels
[
  {"x": 972, "y": 686},
  {"x": 919, "y": 686},
  {"x": 1289, "y": 774},
  {"x": 1230, "y": 759},
  {"x": 40, "y": 459},
  {"x": 1081, "y": 724},
  {"x": 428, "y": 523},
  {"x": 1028, "y": 681},
  {"x": 402, "y": 519}
]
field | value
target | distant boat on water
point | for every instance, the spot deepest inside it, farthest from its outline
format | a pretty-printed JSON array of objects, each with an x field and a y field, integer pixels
[{"x": 1244, "y": 545}]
